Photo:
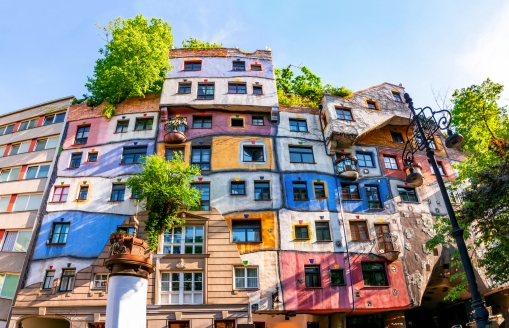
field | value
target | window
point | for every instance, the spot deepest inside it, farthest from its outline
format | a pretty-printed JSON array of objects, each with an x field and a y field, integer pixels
[
  {"x": 40, "y": 171},
  {"x": 10, "y": 174},
  {"x": 205, "y": 195},
  {"x": 359, "y": 230},
  {"x": 4, "y": 203},
  {"x": 237, "y": 122},
  {"x": 237, "y": 88},
  {"x": 27, "y": 202},
  {"x": 454, "y": 196},
  {"x": 182, "y": 288},
  {"x": 122, "y": 126},
  {"x": 300, "y": 191},
  {"x": 190, "y": 243},
  {"x": 301, "y": 154},
  {"x": 8, "y": 285},
  {"x": 298, "y": 125},
  {"x": 192, "y": 65},
  {"x": 67, "y": 280},
  {"x": 100, "y": 280},
  {"x": 238, "y": 188},
  {"x": 390, "y": 163},
  {"x": 257, "y": 120},
  {"x": 337, "y": 277},
  {"x": 396, "y": 96},
  {"x": 364, "y": 159},
  {"x": 117, "y": 192},
  {"x": 319, "y": 188},
  {"x": 2, "y": 150},
  {"x": 262, "y": 190},
  {"x": 184, "y": 88},
  {"x": 83, "y": 194},
  {"x": 7, "y": 129},
  {"x": 371, "y": 104},
  {"x": 350, "y": 191},
  {"x": 136, "y": 193},
  {"x": 257, "y": 90},
  {"x": 46, "y": 143},
  {"x": 20, "y": 148},
  {"x": 48, "y": 280},
  {"x": 28, "y": 124},
  {"x": 206, "y": 91},
  {"x": 177, "y": 324},
  {"x": 301, "y": 232},
  {"x": 133, "y": 155},
  {"x": 256, "y": 67},
  {"x": 202, "y": 122},
  {"x": 253, "y": 154},
  {"x": 60, "y": 194},
  {"x": 75, "y": 160},
  {"x": 374, "y": 274},
  {"x": 246, "y": 278},
  {"x": 440, "y": 168},
  {"x": 59, "y": 233},
  {"x": 344, "y": 114},
  {"x": 169, "y": 153},
  {"x": 201, "y": 157},
  {"x": 373, "y": 197},
  {"x": 407, "y": 194},
  {"x": 246, "y": 231},
  {"x": 55, "y": 118},
  {"x": 16, "y": 241},
  {"x": 92, "y": 157},
  {"x": 397, "y": 137},
  {"x": 127, "y": 230},
  {"x": 431, "y": 143},
  {"x": 384, "y": 237},
  {"x": 322, "y": 231},
  {"x": 143, "y": 124},
  {"x": 312, "y": 274},
  {"x": 82, "y": 135},
  {"x": 239, "y": 65}
]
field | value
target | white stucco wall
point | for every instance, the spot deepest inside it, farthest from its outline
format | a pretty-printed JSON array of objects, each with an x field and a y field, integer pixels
[
  {"x": 127, "y": 302},
  {"x": 313, "y": 124},
  {"x": 322, "y": 161},
  {"x": 38, "y": 267}
]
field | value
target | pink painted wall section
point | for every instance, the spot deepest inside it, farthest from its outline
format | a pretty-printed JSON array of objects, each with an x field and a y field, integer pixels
[
  {"x": 391, "y": 297},
  {"x": 220, "y": 123},
  {"x": 298, "y": 297}
]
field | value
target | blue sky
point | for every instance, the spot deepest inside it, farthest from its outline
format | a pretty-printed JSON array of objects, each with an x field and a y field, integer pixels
[{"x": 48, "y": 48}]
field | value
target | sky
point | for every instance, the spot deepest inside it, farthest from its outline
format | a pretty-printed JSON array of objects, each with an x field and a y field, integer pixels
[{"x": 48, "y": 48}]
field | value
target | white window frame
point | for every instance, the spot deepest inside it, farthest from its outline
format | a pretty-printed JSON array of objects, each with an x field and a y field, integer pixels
[
  {"x": 182, "y": 244},
  {"x": 392, "y": 161},
  {"x": 180, "y": 292},
  {"x": 98, "y": 279},
  {"x": 256, "y": 144},
  {"x": 54, "y": 116},
  {"x": 2, "y": 150},
  {"x": 10, "y": 172},
  {"x": 28, "y": 201},
  {"x": 28, "y": 125},
  {"x": 2, "y": 244},
  {"x": 245, "y": 278},
  {"x": 44, "y": 287},
  {"x": 2, "y": 282},
  {"x": 7, "y": 197},
  {"x": 5, "y": 128},
  {"x": 38, "y": 171},
  {"x": 46, "y": 144}
]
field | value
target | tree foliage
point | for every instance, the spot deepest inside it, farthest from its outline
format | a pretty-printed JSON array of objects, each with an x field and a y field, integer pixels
[
  {"x": 193, "y": 43},
  {"x": 305, "y": 89},
  {"x": 134, "y": 63},
  {"x": 164, "y": 188}
]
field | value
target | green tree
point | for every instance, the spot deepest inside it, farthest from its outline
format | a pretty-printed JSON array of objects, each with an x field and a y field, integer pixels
[
  {"x": 193, "y": 43},
  {"x": 164, "y": 188},
  {"x": 135, "y": 61}
]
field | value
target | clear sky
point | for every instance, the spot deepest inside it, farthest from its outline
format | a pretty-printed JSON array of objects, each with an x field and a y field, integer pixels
[{"x": 48, "y": 48}]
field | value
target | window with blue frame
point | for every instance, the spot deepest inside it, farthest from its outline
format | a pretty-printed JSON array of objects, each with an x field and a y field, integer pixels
[
  {"x": 365, "y": 160},
  {"x": 373, "y": 197}
]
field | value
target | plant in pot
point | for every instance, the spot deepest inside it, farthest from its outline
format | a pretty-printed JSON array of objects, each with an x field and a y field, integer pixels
[{"x": 176, "y": 124}]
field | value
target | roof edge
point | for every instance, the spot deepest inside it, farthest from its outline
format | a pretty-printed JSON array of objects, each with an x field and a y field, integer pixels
[{"x": 38, "y": 105}]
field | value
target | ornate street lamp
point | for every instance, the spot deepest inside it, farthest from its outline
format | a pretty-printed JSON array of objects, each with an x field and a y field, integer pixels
[{"x": 420, "y": 132}]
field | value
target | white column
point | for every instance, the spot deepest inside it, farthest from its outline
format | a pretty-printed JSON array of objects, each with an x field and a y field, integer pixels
[{"x": 127, "y": 302}]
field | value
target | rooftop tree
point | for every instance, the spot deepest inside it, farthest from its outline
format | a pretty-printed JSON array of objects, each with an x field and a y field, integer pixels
[{"x": 193, "y": 43}]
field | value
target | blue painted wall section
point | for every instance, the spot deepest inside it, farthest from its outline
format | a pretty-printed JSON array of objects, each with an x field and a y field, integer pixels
[
  {"x": 313, "y": 204},
  {"x": 362, "y": 204}
]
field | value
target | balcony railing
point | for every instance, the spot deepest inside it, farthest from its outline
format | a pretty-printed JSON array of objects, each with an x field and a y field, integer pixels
[
  {"x": 387, "y": 246},
  {"x": 175, "y": 128},
  {"x": 346, "y": 167}
]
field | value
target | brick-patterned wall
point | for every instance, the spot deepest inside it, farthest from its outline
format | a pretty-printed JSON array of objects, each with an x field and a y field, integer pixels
[
  {"x": 299, "y": 110},
  {"x": 220, "y": 52},
  {"x": 132, "y": 105}
]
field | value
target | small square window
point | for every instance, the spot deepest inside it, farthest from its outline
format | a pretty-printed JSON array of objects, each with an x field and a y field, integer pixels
[
  {"x": 83, "y": 194},
  {"x": 246, "y": 231},
  {"x": 239, "y": 65},
  {"x": 201, "y": 157},
  {"x": 319, "y": 188},
  {"x": 344, "y": 114},
  {"x": 337, "y": 277},
  {"x": 374, "y": 274},
  {"x": 301, "y": 232},
  {"x": 60, "y": 194},
  {"x": 322, "y": 231},
  {"x": 134, "y": 155},
  {"x": 312, "y": 274},
  {"x": 92, "y": 157},
  {"x": 117, "y": 192},
  {"x": 48, "y": 279},
  {"x": 257, "y": 120},
  {"x": 192, "y": 65},
  {"x": 300, "y": 191},
  {"x": 246, "y": 278},
  {"x": 256, "y": 67},
  {"x": 238, "y": 188},
  {"x": 371, "y": 104},
  {"x": 396, "y": 96},
  {"x": 298, "y": 125},
  {"x": 184, "y": 88},
  {"x": 301, "y": 154},
  {"x": 237, "y": 88},
  {"x": 262, "y": 190},
  {"x": 257, "y": 90},
  {"x": 59, "y": 233},
  {"x": 170, "y": 153},
  {"x": 237, "y": 122},
  {"x": 143, "y": 124},
  {"x": 359, "y": 231},
  {"x": 397, "y": 137},
  {"x": 407, "y": 194},
  {"x": 122, "y": 126},
  {"x": 100, "y": 280},
  {"x": 202, "y": 122},
  {"x": 82, "y": 135},
  {"x": 390, "y": 163},
  {"x": 75, "y": 160},
  {"x": 205, "y": 91},
  {"x": 253, "y": 154},
  {"x": 67, "y": 280},
  {"x": 365, "y": 160}
]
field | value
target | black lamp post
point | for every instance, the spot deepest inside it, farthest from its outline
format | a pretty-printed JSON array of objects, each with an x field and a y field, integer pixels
[{"x": 420, "y": 131}]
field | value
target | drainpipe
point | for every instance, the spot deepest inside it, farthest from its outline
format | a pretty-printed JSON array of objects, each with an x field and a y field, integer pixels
[{"x": 342, "y": 220}]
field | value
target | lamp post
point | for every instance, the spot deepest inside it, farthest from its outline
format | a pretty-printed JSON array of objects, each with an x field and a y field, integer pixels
[{"x": 419, "y": 132}]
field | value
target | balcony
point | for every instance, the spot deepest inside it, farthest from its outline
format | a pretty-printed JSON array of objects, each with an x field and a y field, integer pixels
[
  {"x": 346, "y": 167},
  {"x": 387, "y": 246},
  {"x": 175, "y": 128}
]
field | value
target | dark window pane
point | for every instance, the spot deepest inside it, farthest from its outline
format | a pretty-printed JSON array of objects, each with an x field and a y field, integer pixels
[
  {"x": 92, "y": 157},
  {"x": 237, "y": 122},
  {"x": 257, "y": 120},
  {"x": 143, "y": 124},
  {"x": 337, "y": 277},
  {"x": 184, "y": 88},
  {"x": 236, "y": 88},
  {"x": 205, "y": 91},
  {"x": 301, "y": 232},
  {"x": 75, "y": 160},
  {"x": 238, "y": 188},
  {"x": 312, "y": 274},
  {"x": 298, "y": 125},
  {"x": 118, "y": 192},
  {"x": 59, "y": 118},
  {"x": 239, "y": 65},
  {"x": 257, "y": 90},
  {"x": 407, "y": 194},
  {"x": 301, "y": 155},
  {"x": 246, "y": 231},
  {"x": 169, "y": 153},
  {"x": 373, "y": 197},
  {"x": 82, "y": 135},
  {"x": 192, "y": 66},
  {"x": 83, "y": 193},
  {"x": 322, "y": 231},
  {"x": 122, "y": 126},
  {"x": 205, "y": 195},
  {"x": 132, "y": 155},
  {"x": 364, "y": 159},
  {"x": 202, "y": 122},
  {"x": 374, "y": 274},
  {"x": 256, "y": 67},
  {"x": 262, "y": 190},
  {"x": 253, "y": 154},
  {"x": 397, "y": 137},
  {"x": 300, "y": 191},
  {"x": 344, "y": 114},
  {"x": 201, "y": 157},
  {"x": 319, "y": 190}
]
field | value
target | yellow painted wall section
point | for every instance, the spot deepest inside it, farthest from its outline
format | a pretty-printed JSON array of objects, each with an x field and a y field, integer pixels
[
  {"x": 226, "y": 153},
  {"x": 382, "y": 137},
  {"x": 269, "y": 230},
  {"x": 186, "y": 146}
]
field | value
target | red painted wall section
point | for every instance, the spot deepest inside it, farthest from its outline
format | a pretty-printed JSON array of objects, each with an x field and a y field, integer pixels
[
  {"x": 391, "y": 297},
  {"x": 98, "y": 128},
  {"x": 22, "y": 172},
  {"x": 40, "y": 121},
  {"x": 2, "y": 232},
  {"x": 7, "y": 150},
  {"x": 32, "y": 145},
  {"x": 16, "y": 127},
  {"x": 11, "y": 203},
  {"x": 400, "y": 172},
  {"x": 298, "y": 297}
]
